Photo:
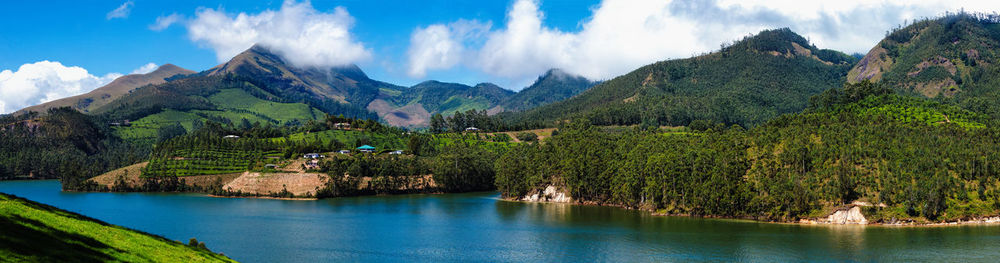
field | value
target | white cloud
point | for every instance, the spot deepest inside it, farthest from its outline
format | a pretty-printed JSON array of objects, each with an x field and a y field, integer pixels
[
  {"x": 302, "y": 35},
  {"x": 621, "y": 35},
  {"x": 439, "y": 46},
  {"x": 163, "y": 22},
  {"x": 45, "y": 81},
  {"x": 122, "y": 11},
  {"x": 149, "y": 67}
]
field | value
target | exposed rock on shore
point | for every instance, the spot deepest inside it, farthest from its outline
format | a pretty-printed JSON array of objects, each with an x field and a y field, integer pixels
[
  {"x": 851, "y": 216},
  {"x": 551, "y": 194}
]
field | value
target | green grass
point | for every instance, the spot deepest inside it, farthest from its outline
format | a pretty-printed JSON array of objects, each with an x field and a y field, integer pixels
[
  {"x": 456, "y": 103},
  {"x": 147, "y": 127},
  {"x": 282, "y": 112},
  {"x": 34, "y": 232}
]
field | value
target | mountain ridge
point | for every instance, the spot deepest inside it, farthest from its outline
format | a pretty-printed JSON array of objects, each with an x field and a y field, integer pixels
[{"x": 113, "y": 90}]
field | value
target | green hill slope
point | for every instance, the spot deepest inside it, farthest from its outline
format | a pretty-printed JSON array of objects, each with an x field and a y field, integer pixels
[
  {"x": 555, "y": 85},
  {"x": 34, "y": 232},
  {"x": 908, "y": 158},
  {"x": 953, "y": 57},
  {"x": 114, "y": 90},
  {"x": 750, "y": 82}
]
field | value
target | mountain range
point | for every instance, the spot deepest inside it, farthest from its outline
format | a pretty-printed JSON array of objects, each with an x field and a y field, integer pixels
[
  {"x": 746, "y": 83},
  {"x": 257, "y": 84}
]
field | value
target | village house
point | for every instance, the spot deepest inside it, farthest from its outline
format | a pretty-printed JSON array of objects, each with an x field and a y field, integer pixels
[
  {"x": 396, "y": 152},
  {"x": 344, "y": 152},
  {"x": 312, "y": 164},
  {"x": 231, "y": 136},
  {"x": 313, "y": 156},
  {"x": 342, "y": 125},
  {"x": 472, "y": 129},
  {"x": 366, "y": 149}
]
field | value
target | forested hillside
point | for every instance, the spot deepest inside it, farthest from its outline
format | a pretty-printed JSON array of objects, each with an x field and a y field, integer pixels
[
  {"x": 913, "y": 159},
  {"x": 953, "y": 58},
  {"x": 64, "y": 144},
  {"x": 747, "y": 83},
  {"x": 554, "y": 86}
]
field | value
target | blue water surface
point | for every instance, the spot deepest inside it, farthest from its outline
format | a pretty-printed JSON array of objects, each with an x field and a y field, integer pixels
[{"x": 478, "y": 227}]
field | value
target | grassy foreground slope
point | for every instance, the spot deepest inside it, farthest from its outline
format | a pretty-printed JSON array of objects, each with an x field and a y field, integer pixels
[{"x": 34, "y": 232}]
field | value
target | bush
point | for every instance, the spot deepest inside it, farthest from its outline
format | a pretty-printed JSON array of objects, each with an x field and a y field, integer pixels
[{"x": 527, "y": 136}]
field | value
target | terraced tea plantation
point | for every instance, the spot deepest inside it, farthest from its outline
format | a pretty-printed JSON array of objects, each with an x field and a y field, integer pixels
[{"x": 202, "y": 162}]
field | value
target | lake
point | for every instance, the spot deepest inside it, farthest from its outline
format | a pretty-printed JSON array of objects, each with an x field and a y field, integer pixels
[{"x": 479, "y": 227}]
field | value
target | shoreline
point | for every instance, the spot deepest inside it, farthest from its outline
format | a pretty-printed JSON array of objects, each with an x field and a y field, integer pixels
[
  {"x": 266, "y": 197},
  {"x": 981, "y": 221}
]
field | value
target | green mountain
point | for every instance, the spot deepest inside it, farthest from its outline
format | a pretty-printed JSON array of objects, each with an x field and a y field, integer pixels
[
  {"x": 343, "y": 84},
  {"x": 747, "y": 83},
  {"x": 114, "y": 90},
  {"x": 953, "y": 58},
  {"x": 414, "y": 106},
  {"x": 556, "y": 85},
  {"x": 35, "y": 232}
]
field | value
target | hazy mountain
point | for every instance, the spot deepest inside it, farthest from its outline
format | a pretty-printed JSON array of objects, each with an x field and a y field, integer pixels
[
  {"x": 120, "y": 86},
  {"x": 554, "y": 86}
]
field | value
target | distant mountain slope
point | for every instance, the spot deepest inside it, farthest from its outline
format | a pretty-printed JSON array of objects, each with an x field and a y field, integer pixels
[
  {"x": 414, "y": 106},
  {"x": 938, "y": 57},
  {"x": 752, "y": 81},
  {"x": 954, "y": 56},
  {"x": 556, "y": 85},
  {"x": 120, "y": 86},
  {"x": 345, "y": 84}
]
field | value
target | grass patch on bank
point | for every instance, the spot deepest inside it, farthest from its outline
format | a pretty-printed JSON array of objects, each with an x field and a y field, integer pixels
[{"x": 34, "y": 232}]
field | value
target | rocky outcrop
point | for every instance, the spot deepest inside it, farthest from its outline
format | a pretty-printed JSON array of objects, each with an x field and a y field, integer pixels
[
  {"x": 551, "y": 194},
  {"x": 851, "y": 216}
]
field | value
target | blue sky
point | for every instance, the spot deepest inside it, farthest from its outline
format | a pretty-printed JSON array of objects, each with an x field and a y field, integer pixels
[
  {"x": 77, "y": 33},
  {"x": 55, "y": 49}
]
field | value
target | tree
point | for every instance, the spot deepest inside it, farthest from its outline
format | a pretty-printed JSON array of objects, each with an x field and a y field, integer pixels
[
  {"x": 438, "y": 124},
  {"x": 170, "y": 131}
]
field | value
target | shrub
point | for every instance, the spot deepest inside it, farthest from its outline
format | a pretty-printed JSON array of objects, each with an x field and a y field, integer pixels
[{"x": 527, "y": 136}]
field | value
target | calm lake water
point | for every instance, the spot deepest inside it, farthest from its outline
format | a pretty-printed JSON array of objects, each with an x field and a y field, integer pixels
[{"x": 478, "y": 227}]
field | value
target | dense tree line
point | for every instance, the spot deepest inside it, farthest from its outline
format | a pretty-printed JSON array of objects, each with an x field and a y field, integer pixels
[
  {"x": 922, "y": 160},
  {"x": 62, "y": 144}
]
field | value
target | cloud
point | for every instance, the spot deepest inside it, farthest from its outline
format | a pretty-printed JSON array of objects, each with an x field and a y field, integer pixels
[
  {"x": 122, "y": 11},
  {"x": 440, "y": 46},
  {"x": 45, "y": 81},
  {"x": 163, "y": 22},
  {"x": 302, "y": 35},
  {"x": 149, "y": 67},
  {"x": 622, "y": 35}
]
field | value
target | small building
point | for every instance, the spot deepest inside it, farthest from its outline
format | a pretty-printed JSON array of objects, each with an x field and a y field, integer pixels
[
  {"x": 344, "y": 152},
  {"x": 271, "y": 166},
  {"x": 231, "y": 136},
  {"x": 472, "y": 129},
  {"x": 366, "y": 148},
  {"x": 342, "y": 125},
  {"x": 313, "y": 156},
  {"x": 312, "y": 164},
  {"x": 396, "y": 152}
]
